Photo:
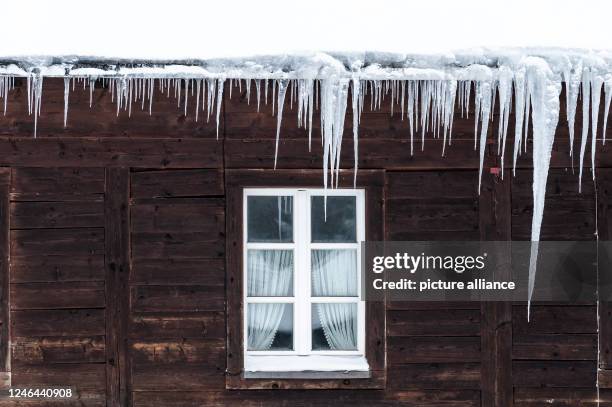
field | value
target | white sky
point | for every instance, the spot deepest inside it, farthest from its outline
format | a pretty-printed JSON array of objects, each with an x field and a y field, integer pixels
[{"x": 206, "y": 29}]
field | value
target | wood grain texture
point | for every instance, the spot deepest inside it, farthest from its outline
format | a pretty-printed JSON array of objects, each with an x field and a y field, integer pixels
[{"x": 117, "y": 249}]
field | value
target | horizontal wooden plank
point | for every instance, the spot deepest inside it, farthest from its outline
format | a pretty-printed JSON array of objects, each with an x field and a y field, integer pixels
[
  {"x": 177, "y": 377},
  {"x": 156, "y": 245},
  {"x": 177, "y": 298},
  {"x": 41, "y": 268},
  {"x": 300, "y": 178},
  {"x": 203, "y": 215},
  {"x": 35, "y": 215},
  {"x": 206, "y": 352},
  {"x": 73, "y": 242},
  {"x": 605, "y": 378},
  {"x": 555, "y": 347},
  {"x": 88, "y": 294},
  {"x": 80, "y": 322},
  {"x": 435, "y": 376},
  {"x": 432, "y": 305},
  {"x": 79, "y": 375},
  {"x": 554, "y": 374},
  {"x": 167, "y": 117},
  {"x": 406, "y": 217},
  {"x": 49, "y": 350},
  {"x": 209, "y": 324},
  {"x": 534, "y": 397},
  {"x": 110, "y": 152},
  {"x": 176, "y": 183},
  {"x": 57, "y": 184},
  {"x": 431, "y": 184},
  {"x": 433, "y": 323},
  {"x": 407, "y": 349},
  {"x": 555, "y": 320},
  {"x": 81, "y": 398},
  {"x": 178, "y": 271},
  {"x": 310, "y": 397}
]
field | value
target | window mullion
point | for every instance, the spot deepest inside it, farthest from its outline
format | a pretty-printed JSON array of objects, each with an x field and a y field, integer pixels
[{"x": 300, "y": 272}]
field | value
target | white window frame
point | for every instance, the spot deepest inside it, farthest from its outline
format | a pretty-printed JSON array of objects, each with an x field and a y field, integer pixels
[{"x": 302, "y": 357}]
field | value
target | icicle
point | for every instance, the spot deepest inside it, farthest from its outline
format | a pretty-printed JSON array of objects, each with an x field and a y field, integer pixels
[
  {"x": 544, "y": 90},
  {"x": 220, "y": 83},
  {"x": 608, "y": 93},
  {"x": 356, "y": 113},
  {"x": 483, "y": 103},
  {"x": 505, "y": 101},
  {"x": 66, "y": 91},
  {"x": 198, "y": 86},
  {"x": 519, "y": 113},
  {"x": 282, "y": 90},
  {"x": 412, "y": 85},
  {"x": 596, "y": 85},
  {"x": 586, "y": 96},
  {"x": 258, "y": 91},
  {"x": 572, "y": 87}
]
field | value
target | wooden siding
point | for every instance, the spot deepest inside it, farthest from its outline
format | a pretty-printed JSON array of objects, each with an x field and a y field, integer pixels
[{"x": 116, "y": 232}]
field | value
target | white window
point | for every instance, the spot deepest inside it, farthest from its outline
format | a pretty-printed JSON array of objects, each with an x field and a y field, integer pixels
[{"x": 302, "y": 260}]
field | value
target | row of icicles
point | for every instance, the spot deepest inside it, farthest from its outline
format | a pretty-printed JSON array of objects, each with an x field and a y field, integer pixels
[{"x": 428, "y": 105}]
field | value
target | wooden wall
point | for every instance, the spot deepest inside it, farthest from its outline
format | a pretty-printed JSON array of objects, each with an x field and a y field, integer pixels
[{"x": 116, "y": 230}]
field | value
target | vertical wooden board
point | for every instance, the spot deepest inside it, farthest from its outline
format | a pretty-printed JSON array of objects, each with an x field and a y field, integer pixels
[
  {"x": 117, "y": 288},
  {"x": 5, "y": 360},
  {"x": 604, "y": 224},
  {"x": 496, "y": 317}
]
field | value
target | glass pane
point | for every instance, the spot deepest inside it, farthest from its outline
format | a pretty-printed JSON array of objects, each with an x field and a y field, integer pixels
[
  {"x": 340, "y": 224},
  {"x": 334, "y": 273},
  {"x": 270, "y": 219},
  {"x": 270, "y": 327},
  {"x": 270, "y": 273},
  {"x": 334, "y": 326}
]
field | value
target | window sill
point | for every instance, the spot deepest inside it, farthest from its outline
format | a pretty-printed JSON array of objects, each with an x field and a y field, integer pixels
[{"x": 312, "y": 366}]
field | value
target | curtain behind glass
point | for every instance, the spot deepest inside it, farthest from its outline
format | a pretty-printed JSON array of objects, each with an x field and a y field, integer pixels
[
  {"x": 269, "y": 274},
  {"x": 334, "y": 274}
]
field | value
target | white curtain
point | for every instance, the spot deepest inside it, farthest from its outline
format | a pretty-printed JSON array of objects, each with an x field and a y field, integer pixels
[
  {"x": 334, "y": 274},
  {"x": 270, "y": 274}
]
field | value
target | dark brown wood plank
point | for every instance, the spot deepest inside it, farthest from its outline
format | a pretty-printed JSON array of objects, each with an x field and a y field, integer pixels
[
  {"x": 555, "y": 347},
  {"x": 554, "y": 374},
  {"x": 5, "y": 300},
  {"x": 309, "y": 397},
  {"x": 82, "y": 376},
  {"x": 427, "y": 349},
  {"x": 57, "y": 184},
  {"x": 58, "y": 349},
  {"x": 115, "y": 152},
  {"x": 555, "y": 320},
  {"x": 533, "y": 397},
  {"x": 206, "y": 352},
  {"x": 117, "y": 249},
  {"x": 82, "y": 322},
  {"x": 163, "y": 298},
  {"x": 209, "y": 324},
  {"x": 186, "y": 245},
  {"x": 435, "y": 376},
  {"x": 177, "y": 377},
  {"x": 37, "y": 215},
  {"x": 604, "y": 226},
  {"x": 605, "y": 379},
  {"x": 179, "y": 216},
  {"x": 89, "y": 294},
  {"x": 176, "y": 183},
  {"x": 73, "y": 242},
  {"x": 433, "y": 323},
  {"x": 40, "y": 268},
  {"x": 178, "y": 271},
  {"x": 495, "y": 224}
]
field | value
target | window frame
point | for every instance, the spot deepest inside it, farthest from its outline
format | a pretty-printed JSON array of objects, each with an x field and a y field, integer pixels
[
  {"x": 373, "y": 181},
  {"x": 302, "y": 247}
]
